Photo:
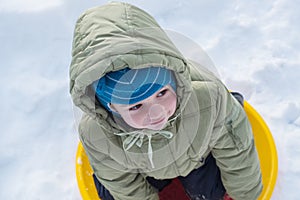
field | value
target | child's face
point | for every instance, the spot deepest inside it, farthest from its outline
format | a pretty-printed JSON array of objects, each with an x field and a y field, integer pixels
[{"x": 151, "y": 113}]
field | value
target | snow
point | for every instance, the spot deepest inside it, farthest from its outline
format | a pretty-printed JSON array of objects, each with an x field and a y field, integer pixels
[{"x": 254, "y": 44}]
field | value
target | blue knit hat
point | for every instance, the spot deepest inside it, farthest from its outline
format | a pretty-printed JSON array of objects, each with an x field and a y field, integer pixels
[{"x": 129, "y": 86}]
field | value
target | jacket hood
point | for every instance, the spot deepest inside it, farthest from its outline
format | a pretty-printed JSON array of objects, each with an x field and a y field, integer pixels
[{"x": 115, "y": 36}]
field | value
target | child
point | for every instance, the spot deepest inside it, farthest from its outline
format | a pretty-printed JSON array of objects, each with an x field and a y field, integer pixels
[{"x": 152, "y": 116}]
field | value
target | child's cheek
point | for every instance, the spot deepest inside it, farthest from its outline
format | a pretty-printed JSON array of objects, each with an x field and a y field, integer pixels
[
  {"x": 170, "y": 103},
  {"x": 135, "y": 119}
]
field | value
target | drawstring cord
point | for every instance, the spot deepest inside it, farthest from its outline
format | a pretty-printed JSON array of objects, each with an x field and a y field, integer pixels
[{"x": 137, "y": 138}]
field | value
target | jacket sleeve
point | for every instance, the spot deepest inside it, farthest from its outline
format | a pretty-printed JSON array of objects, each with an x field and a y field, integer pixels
[
  {"x": 234, "y": 149},
  {"x": 121, "y": 184}
]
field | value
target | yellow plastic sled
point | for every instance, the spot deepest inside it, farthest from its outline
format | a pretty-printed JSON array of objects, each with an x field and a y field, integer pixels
[{"x": 264, "y": 143}]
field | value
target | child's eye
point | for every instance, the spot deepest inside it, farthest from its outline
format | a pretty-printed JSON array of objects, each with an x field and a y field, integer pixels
[
  {"x": 162, "y": 93},
  {"x": 136, "y": 107}
]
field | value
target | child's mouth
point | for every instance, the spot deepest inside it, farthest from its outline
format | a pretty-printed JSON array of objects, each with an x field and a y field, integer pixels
[{"x": 158, "y": 122}]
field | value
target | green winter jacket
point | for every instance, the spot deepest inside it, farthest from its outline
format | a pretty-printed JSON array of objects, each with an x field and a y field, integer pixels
[{"x": 207, "y": 120}]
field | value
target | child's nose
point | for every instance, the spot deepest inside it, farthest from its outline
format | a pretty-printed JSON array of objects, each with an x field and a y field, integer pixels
[{"x": 156, "y": 111}]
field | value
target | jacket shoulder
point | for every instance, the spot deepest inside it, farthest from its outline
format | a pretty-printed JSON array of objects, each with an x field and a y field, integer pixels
[
  {"x": 96, "y": 139},
  {"x": 206, "y": 93},
  {"x": 90, "y": 129}
]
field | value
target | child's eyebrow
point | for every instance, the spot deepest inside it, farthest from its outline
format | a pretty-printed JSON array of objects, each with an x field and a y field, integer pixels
[{"x": 128, "y": 105}]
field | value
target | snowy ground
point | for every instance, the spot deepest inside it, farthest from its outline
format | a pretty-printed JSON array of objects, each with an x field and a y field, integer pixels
[{"x": 255, "y": 46}]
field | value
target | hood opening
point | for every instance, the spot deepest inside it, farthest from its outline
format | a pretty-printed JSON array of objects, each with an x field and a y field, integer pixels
[{"x": 130, "y": 37}]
